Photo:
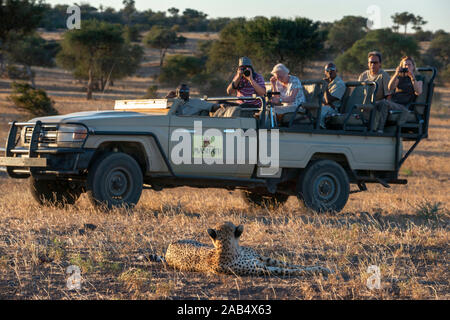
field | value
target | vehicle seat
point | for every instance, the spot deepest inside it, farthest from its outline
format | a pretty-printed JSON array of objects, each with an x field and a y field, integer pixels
[
  {"x": 355, "y": 113},
  {"x": 309, "y": 110},
  {"x": 417, "y": 111}
]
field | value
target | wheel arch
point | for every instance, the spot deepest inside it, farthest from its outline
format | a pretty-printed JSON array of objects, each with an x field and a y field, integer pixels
[{"x": 134, "y": 149}]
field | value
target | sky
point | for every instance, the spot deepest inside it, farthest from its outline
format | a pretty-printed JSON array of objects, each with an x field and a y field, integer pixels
[{"x": 436, "y": 12}]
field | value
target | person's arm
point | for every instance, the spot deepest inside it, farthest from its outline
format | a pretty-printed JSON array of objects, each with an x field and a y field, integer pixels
[
  {"x": 329, "y": 98},
  {"x": 417, "y": 84},
  {"x": 393, "y": 83},
  {"x": 231, "y": 89},
  {"x": 260, "y": 90}
]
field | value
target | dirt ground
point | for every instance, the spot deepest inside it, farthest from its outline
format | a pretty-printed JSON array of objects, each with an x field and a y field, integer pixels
[{"x": 403, "y": 230}]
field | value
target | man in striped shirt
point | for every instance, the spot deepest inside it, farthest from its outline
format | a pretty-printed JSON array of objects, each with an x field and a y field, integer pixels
[{"x": 247, "y": 82}]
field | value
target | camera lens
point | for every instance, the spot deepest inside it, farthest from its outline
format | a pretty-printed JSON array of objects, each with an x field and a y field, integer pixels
[{"x": 246, "y": 72}]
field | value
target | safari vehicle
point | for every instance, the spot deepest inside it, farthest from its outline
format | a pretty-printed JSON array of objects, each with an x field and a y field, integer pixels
[{"x": 114, "y": 155}]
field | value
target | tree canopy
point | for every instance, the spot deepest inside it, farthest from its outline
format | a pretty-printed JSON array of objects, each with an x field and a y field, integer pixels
[
  {"x": 98, "y": 52},
  {"x": 346, "y": 32},
  {"x": 162, "y": 38},
  {"x": 392, "y": 46},
  {"x": 267, "y": 42}
]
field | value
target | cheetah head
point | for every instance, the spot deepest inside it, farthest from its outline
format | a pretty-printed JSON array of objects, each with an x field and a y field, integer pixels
[{"x": 226, "y": 234}]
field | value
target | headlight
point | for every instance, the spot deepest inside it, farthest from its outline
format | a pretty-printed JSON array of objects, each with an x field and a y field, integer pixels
[{"x": 71, "y": 133}]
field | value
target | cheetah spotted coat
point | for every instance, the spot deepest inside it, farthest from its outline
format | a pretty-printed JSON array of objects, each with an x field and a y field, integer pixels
[{"x": 226, "y": 256}]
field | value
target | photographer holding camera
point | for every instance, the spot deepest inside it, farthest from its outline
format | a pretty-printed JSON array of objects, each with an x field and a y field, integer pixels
[
  {"x": 406, "y": 85},
  {"x": 247, "y": 82}
]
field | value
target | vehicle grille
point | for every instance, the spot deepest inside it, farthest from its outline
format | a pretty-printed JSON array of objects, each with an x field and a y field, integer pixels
[{"x": 47, "y": 135}]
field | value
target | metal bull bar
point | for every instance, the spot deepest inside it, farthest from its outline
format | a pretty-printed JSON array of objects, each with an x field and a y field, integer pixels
[{"x": 29, "y": 159}]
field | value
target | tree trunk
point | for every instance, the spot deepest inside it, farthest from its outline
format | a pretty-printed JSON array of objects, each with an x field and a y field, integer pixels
[
  {"x": 30, "y": 75},
  {"x": 89, "y": 85}
]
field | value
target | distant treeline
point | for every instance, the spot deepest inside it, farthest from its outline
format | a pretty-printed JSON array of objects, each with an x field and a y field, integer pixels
[{"x": 189, "y": 20}]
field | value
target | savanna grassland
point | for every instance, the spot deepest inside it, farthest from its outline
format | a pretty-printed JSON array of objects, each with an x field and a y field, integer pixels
[{"x": 403, "y": 230}]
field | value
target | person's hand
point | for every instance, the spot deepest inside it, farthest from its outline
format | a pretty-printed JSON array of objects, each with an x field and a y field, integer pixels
[
  {"x": 239, "y": 74},
  {"x": 410, "y": 75},
  {"x": 397, "y": 71}
]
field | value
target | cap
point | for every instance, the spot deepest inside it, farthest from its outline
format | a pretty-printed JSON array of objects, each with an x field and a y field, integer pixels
[
  {"x": 330, "y": 67},
  {"x": 244, "y": 61}
]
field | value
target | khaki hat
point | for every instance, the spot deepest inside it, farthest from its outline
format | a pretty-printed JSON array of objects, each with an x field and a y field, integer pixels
[{"x": 244, "y": 61}]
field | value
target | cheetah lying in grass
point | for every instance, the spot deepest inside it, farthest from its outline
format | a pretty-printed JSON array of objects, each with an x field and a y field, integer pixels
[{"x": 228, "y": 257}]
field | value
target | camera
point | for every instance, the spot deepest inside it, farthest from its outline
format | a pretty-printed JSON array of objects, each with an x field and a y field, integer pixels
[
  {"x": 404, "y": 70},
  {"x": 246, "y": 72}
]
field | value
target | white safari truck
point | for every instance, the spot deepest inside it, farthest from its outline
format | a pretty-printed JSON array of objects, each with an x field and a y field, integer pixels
[{"x": 156, "y": 144}]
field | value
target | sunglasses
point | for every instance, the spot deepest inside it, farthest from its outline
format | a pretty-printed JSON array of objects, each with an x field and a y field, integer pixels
[{"x": 330, "y": 69}]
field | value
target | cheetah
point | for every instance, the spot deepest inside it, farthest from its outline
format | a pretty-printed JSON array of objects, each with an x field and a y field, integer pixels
[{"x": 227, "y": 257}]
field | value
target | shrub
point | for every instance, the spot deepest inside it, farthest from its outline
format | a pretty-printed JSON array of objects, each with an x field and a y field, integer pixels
[
  {"x": 34, "y": 101},
  {"x": 152, "y": 92},
  {"x": 178, "y": 69}
]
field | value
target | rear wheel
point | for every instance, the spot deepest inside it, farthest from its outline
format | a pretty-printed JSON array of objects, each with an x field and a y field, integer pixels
[
  {"x": 115, "y": 180},
  {"x": 324, "y": 186},
  {"x": 54, "y": 192},
  {"x": 264, "y": 199}
]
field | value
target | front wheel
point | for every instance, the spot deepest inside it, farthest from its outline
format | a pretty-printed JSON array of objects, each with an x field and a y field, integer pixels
[
  {"x": 115, "y": 180},
  {"x": 324, "y": 186}
]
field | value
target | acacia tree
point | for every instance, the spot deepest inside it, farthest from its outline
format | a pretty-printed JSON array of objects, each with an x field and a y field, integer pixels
[
  {"x": 18, "y": 18},
  {"x": 403, "y": 19},
  {"x": 31, "y": 51},
  {"x": 345, "y": 32},
  {"x": 162, "y": 38},
  {"x": 267, "y": 42},
  {"x": 97, "y": 53}
]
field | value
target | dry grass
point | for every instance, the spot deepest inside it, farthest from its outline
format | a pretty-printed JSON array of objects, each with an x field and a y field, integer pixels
[{"x": 403, "y": 230}]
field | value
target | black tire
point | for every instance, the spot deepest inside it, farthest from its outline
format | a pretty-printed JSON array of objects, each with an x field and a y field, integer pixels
[
  {"x": 264, "y": 199},
  {"x": 54, "y": 192},
  {"x": 324, "y": 186},
  {"x": 114, "y": 180}
]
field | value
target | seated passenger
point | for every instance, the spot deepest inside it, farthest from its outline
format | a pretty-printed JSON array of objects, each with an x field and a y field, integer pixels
[
  {"x": 333, "y": 94},
  {"x": 290, "y": 88},
  {"x": 406, "y": 85},
  {"x": 376, "y": 74},
  {"x": 187, "y": 106},
  {"x": 247, "y": 82}
]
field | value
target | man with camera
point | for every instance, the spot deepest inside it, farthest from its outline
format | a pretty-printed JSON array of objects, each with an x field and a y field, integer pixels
[{"x": 247, "y": 82}]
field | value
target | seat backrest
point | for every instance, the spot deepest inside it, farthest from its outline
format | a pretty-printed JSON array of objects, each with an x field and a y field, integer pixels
[
  {"x": 356, "y": 93},
  {"x": 312, "y": 92},
  {"x": 422, "y": 98}
]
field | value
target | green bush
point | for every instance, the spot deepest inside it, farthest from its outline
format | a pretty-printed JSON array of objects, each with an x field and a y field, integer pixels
[
  {"x": 34, "y": 101},
  {"x": 152, "y": 92},
  {"x": 178, "y": 69}
]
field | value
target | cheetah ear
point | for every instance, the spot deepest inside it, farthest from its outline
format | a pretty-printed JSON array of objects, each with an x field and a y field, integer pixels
[
  {"x": 238, "y": 231},
  {"x": 212, "y": 233}
]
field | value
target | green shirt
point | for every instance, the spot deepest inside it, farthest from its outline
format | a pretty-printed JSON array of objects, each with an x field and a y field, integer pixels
[{"x": 382, "y": 79}]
